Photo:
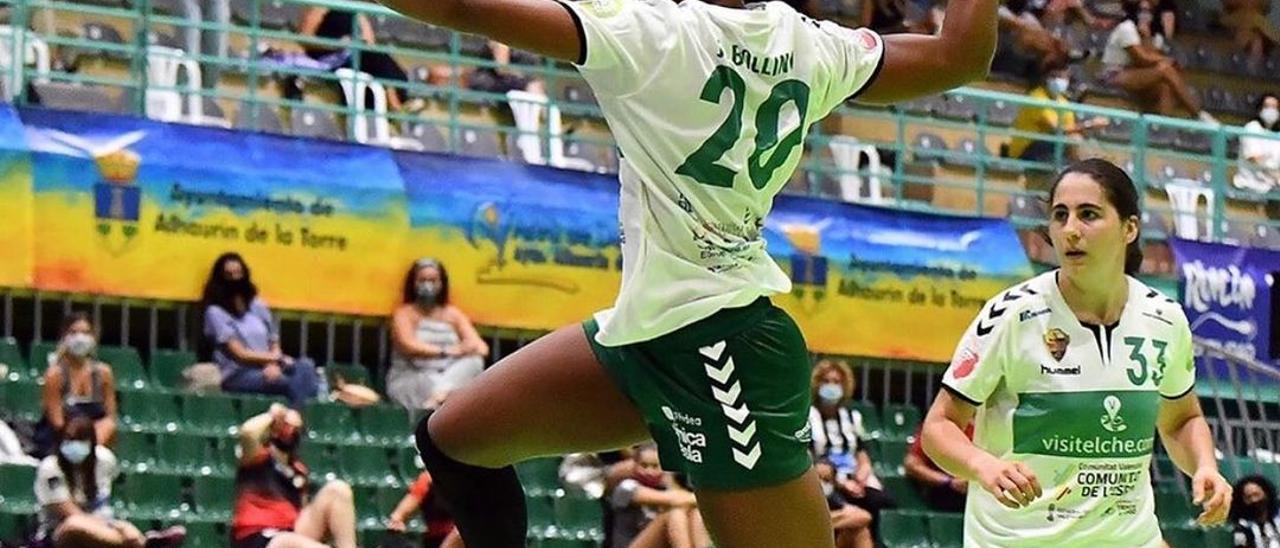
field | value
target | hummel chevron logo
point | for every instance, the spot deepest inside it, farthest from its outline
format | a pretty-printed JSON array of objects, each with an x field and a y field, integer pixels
[
  {"x": 983, "y": 329},
  {"x": 727, "y": 391},
  {"x": 748, "y": 459}
]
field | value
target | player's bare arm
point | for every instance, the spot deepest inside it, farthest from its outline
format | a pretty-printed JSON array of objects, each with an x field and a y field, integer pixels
[
  {"x": 918, "y": 64},
  {"x": 539, "y": 26},
  {"x": 1186, "y": 435}
]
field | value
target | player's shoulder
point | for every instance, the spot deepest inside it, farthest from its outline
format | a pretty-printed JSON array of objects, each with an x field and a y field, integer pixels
[
  {"x": 1154, "y": 305},
  {"x": 1028, "y": 297}
]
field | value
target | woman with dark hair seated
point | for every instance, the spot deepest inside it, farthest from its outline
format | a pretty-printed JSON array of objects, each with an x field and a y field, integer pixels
[
  {"x": 1255, "y": 514},
  {"x": 246, "y": 343},
  {"x": 435, "y": 349},
  {"x": 73, "y": 487}
]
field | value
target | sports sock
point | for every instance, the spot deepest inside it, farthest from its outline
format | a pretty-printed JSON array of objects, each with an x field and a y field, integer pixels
[{"x": 487, "y": 504}]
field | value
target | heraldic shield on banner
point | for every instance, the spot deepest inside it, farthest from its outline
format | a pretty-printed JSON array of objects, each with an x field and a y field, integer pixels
[{"x": 117, "y": 200}]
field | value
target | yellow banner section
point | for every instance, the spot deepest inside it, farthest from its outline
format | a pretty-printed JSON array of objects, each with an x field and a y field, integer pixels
[{"x": 16, "y": 230}]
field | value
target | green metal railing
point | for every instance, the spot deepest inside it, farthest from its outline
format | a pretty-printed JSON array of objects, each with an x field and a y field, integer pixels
[{"x": 246, "y": 80}]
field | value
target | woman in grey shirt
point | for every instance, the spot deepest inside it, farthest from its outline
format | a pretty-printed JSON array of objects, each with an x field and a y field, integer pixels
[{"x": 435, "y": 347}]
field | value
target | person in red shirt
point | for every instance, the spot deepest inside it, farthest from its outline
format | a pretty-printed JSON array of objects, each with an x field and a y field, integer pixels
[
  {"x": 272, "y": 509},
  {"x": 941, "y": 491},
  {"x": 440, "y": 530}
]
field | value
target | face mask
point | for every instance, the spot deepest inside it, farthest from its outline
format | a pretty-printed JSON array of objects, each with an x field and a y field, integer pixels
[
  {"x": 427, "y": 293},
  {"x": 1058, "y": 86},
  {"x": 75, "y": 451},
  {"x": 830, "y": 392},
  {"x": 828, "y": 488},
  {"x": 80, "y": 344},
  {"x": 1269, "y": 115}
]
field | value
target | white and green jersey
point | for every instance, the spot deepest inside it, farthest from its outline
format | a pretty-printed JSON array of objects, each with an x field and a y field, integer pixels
[
  {"x": 709, "y": 107},
  {"x": 1075, "y": 402}
]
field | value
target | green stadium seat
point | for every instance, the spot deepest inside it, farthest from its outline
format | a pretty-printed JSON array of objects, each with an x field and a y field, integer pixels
[
  {"x": 320, "y": 458},
  {"x": 20, "y": 400},
  {"x": 367, "y": 512},
  {"x": 1174, "y": 508},
  {"x": 1184, "y": 537},
  {"x": 167, "y": 367},
  {"x": 1234, "y": 467},
  {"x": 892, "y": 453},
  {"x": 152, "y": 496},
  {"x": 903, "y": 529},
  {"x": 205, "y": 534},
  {"x": 251, "y": 405},
  {"x": 555, "y": 542},
  {"x": 376, "y": 536},
  {"x": 904, "y": 491},
  {"x": 14, "y": 527},
  {"x": 126, "y": 366},
  {"x": 871, "y": 422},
  {"x": 1217, "y": 536},
  {"x": 38, "y": 356},
  {"x": 579, "y": 517},
  {"x": 385, "y": 425},
  {"x": 366, "y": 465},
  {"x": 225, "y": 460},
  {"x": 134, "y": 450},
  {"x": 212, "y": 415},
  {"x": 213, "y": 497},
  {"x": 11, "y": 358},
  {"x": 149, "y": 411},
  {"x": 540, "y": 476},
  {"x": 17, "y": 489},
  {"x": 946, "y": 530},
  {"x": 185, "y": 454},
  {"x": 329, "y": 422},
  {"x": 901, "y": 421},
  {"x": 352, "y": 373},
  {"x": 409, "y": 464},
  {"x": 542, "y": 521}
]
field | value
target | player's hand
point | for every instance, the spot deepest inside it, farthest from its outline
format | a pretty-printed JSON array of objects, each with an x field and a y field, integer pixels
[
  {"x": 1012, "y": 483},
  {"x": 396, "y": 524},
  {"x": 1211, "y": 491}
]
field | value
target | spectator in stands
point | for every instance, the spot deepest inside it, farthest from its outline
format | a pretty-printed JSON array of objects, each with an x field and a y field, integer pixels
[
  {"x": 246, "y": 343},
  {"x": 650, "y": 510},
  {"x": 1132, "y": 60},
  {"x": 852, "y": 525},
  {"x": 837, "y": 437},
  {"x": 940, "y": 490},
  {"x": 1254, "y": 31},
  {"x": 344, "y": 25},
  {"x": 1032, "y": 46},
  {"x": 73, "y": 488},
  {"x": 210, "y": 41},
  {"x": 440, "y": 532},
  {"x": 436, "y": 349},
  {"x": 1255, "y": 514},
  {"x": 499, "y": 79},
  {"x": 1055, "y": 13},
  {"x": 1052, "y": 86},
  {"x": 272, "y": 505},
  {"x": 1260, "y": 156},
  {"x": 77, "y": 385}
]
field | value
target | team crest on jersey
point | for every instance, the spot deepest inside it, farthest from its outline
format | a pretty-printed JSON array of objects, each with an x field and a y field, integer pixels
[
  {"x": 964, "y": 366},
  {"x": 1056, "y": 341},
  {"x": 866, "y": 39}
]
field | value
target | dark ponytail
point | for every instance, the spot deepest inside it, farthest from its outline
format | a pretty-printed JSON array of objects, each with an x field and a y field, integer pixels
[{"x": 1119, "y": 190}]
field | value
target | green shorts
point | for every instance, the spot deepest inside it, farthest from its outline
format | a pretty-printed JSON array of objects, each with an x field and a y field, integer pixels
[{"x": 725, "y": 398}]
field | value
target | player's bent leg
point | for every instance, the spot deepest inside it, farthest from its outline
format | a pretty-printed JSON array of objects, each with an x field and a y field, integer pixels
[
  {"x": 332, "y": 513},
  {"x": 550, "y": 397},
  {"x": 797, "y": 515}
]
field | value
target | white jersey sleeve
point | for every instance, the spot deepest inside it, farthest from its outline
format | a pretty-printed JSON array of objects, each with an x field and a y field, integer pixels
[
  {"x": 852, "y": 57},
  {"x": 1180, "y": 365},
  {"x": 978, "y": 365},
  {"x": 624, "y": 42}
]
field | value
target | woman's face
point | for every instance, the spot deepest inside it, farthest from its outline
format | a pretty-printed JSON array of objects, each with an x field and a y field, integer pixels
[
  {"x": 79, "y": 327},
  {"x": 427, "y": 274},
  {"x": 647, "y": 462},
  {"x": 1085, "y": 228},
  {"x": 233, "y": 271},
  {"x": 1271, "y": 102},
  {"x": 1252, "y": 493},
  {"x": 832, "y": 377}
]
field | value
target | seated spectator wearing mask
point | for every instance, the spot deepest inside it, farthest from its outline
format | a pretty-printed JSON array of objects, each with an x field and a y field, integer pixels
[
  {"x": 77, "y": 385},
  {"x": 435, "y": 348},
  {"x": 851, "y": 524},
  {"x": 1259, "y": 167},
  {"x": 940, "y": 490},
  {"x": 73, "y": 488},
  {"x": 440, "y": 532},
  {"x": 651, "y": 511},
  {"x": 837, "y": 432},
  {"x": 272, "y": 505},
  {"x": 1255, "y": 514},
  {"x": 1052, "y": 86},
  {"x": 246, "y": 345}
]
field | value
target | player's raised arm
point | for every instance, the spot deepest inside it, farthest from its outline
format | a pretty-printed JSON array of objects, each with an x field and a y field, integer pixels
[
  {"x": 917, "y": 64},
  {"x": 544, "y": 27}
]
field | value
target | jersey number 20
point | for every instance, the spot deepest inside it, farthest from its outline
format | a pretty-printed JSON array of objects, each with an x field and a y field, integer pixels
[{"x": 702, "y": 166}]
